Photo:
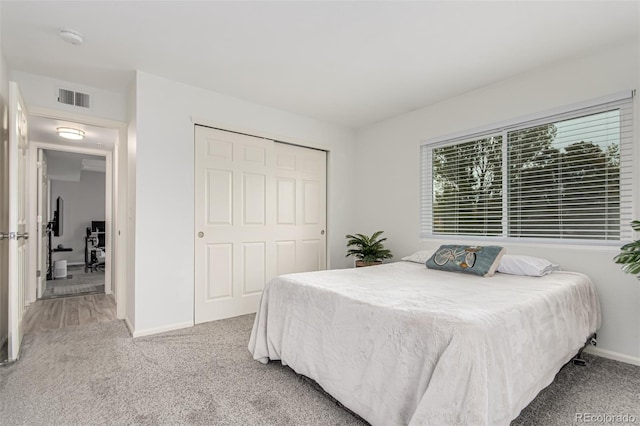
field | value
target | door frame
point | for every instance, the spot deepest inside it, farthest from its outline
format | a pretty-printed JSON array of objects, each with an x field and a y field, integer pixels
[
  {"x": 115, "y": 230},
  {"x": 40, "y": 213},
  {"x": 108, "y": 192}
]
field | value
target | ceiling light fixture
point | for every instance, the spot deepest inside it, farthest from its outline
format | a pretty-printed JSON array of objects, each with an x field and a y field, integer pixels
[
  {"x": 71, "y": 36},
  {"x": 70, "y": 133}
]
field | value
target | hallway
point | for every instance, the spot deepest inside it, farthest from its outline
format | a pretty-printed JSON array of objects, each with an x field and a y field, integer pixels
[{"x": 53, "y": 314}]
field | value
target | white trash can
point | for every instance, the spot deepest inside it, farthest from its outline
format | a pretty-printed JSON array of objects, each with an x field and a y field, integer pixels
[{"x": 60, "y": 269}]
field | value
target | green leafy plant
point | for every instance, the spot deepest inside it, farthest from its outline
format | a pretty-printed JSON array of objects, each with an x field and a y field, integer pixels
[
  {"x": 629, "y": 255},
  {"x": 368, "y": 249}
]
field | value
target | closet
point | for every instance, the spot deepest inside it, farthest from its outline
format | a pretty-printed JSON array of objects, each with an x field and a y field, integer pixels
[{"x": 260, "y": 211}]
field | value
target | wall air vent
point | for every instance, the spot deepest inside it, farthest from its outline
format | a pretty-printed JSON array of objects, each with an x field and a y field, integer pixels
[
  {"x": 69, "y": 97},
  {"x": 66, "y": 96},
  {"x": 82, "y": 100}
]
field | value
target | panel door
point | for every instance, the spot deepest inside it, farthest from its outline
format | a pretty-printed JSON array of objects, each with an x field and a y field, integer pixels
[
  {"x": 18, "y": 208},
  {"x": 234, "y": 210},
  {"x": 300, "y": 175},
  {"x": 260, "y": 212}
]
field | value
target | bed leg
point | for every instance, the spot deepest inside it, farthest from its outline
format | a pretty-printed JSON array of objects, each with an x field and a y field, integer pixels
[{"x": 578, "y": 360}]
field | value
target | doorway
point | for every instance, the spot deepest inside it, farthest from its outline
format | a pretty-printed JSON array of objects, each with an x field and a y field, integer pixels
[
  {"x": 20, "y": 295},
  {"x": 72, "y": 182},
  {"x": 71, "y": 194},
  {"x": 71, "y": 203}
]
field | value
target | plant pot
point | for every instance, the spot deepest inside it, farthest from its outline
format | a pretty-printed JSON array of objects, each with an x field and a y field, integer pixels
[{"x": 362, "y": 263}]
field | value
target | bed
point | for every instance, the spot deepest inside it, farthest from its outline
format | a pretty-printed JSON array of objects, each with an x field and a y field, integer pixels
[{"x": 402, "y": 344}]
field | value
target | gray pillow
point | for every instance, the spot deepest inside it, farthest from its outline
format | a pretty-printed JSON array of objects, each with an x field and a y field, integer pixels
[{"x": 476, "y": 260}]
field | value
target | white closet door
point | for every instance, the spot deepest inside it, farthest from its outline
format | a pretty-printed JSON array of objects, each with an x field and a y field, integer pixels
[
  {"x": 260, "y": 212},
  {"x": 301, "y": 194}
]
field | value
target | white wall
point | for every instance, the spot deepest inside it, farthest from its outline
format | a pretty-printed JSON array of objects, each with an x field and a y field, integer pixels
[
  {"x": 388, "y": 154},
  {"x": 83, "y": 203},
  {"x": 164, "y": 226},
  {"x": 42, "y": 91}
]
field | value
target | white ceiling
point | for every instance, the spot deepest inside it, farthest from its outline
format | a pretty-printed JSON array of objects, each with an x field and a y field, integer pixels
[
  {"x": 43, "y": 129},
  {"x": 351, "y": 63}
]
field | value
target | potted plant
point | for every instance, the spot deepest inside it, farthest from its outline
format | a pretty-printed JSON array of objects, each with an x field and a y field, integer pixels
[
  {"x": 367, "y": 250},
  {"x": 630, "y": 254}
]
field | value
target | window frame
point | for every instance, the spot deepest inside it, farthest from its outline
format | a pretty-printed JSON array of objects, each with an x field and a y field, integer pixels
[{"x": 623, "y": 100}]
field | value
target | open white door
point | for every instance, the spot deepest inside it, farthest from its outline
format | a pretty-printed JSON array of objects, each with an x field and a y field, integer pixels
[{"x": 17, "y": 235}]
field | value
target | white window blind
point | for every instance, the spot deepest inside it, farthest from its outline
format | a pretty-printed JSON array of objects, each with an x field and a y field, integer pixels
[{"x": 567, "y": 177}]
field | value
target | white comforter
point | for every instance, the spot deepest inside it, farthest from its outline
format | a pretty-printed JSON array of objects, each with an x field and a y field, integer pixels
[{"x": 401, "y": 344}]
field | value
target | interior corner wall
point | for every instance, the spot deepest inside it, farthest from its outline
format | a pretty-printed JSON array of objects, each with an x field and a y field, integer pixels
[
  {"x": 391, "y": 149},
  {"x": 127, "y": 181},
  {"x": 4, "y": 219},
  {"x": 84, "y": 202},
  {"x": 164, "y": 225}
]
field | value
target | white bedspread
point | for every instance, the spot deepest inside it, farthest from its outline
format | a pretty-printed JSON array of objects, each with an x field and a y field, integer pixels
[{"x": 401, "y": 344}]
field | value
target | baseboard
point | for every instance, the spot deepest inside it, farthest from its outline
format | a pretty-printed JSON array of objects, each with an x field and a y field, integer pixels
[
  {"x": 150, "y": 331},
  {"x": 616, "y": 356}
]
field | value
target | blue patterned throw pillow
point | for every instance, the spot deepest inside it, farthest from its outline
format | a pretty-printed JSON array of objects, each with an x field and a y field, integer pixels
[{"x": 477, "y": 260}]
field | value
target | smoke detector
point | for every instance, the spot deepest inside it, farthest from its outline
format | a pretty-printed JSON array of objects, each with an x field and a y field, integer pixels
[{"x": 71, "y": 36}]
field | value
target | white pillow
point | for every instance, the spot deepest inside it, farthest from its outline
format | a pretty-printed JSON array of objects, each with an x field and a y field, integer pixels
[
  {"x": 419, "y": 257},
  {"x": 526, "y": 265}
]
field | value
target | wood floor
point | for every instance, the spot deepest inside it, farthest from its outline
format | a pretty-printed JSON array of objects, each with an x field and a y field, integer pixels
[
  {"x": 78, "y": 282},
  {"x": 52, "y": 314}
]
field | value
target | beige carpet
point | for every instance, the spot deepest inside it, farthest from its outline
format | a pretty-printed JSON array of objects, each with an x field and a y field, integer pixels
[{"x": 204, "y": 375}]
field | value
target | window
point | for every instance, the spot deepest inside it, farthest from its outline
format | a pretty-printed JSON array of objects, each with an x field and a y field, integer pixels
[
  {"x": 564, "y": 177},
  {"x": 467, "y": 187}
]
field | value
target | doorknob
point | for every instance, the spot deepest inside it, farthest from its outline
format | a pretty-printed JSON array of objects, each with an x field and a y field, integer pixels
[
  {"x": 200, "y": 234},
  {"x": 4, "y": 235},
  {"x": 24, "y": 235},
  {"x": 322, "y": 232}
]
